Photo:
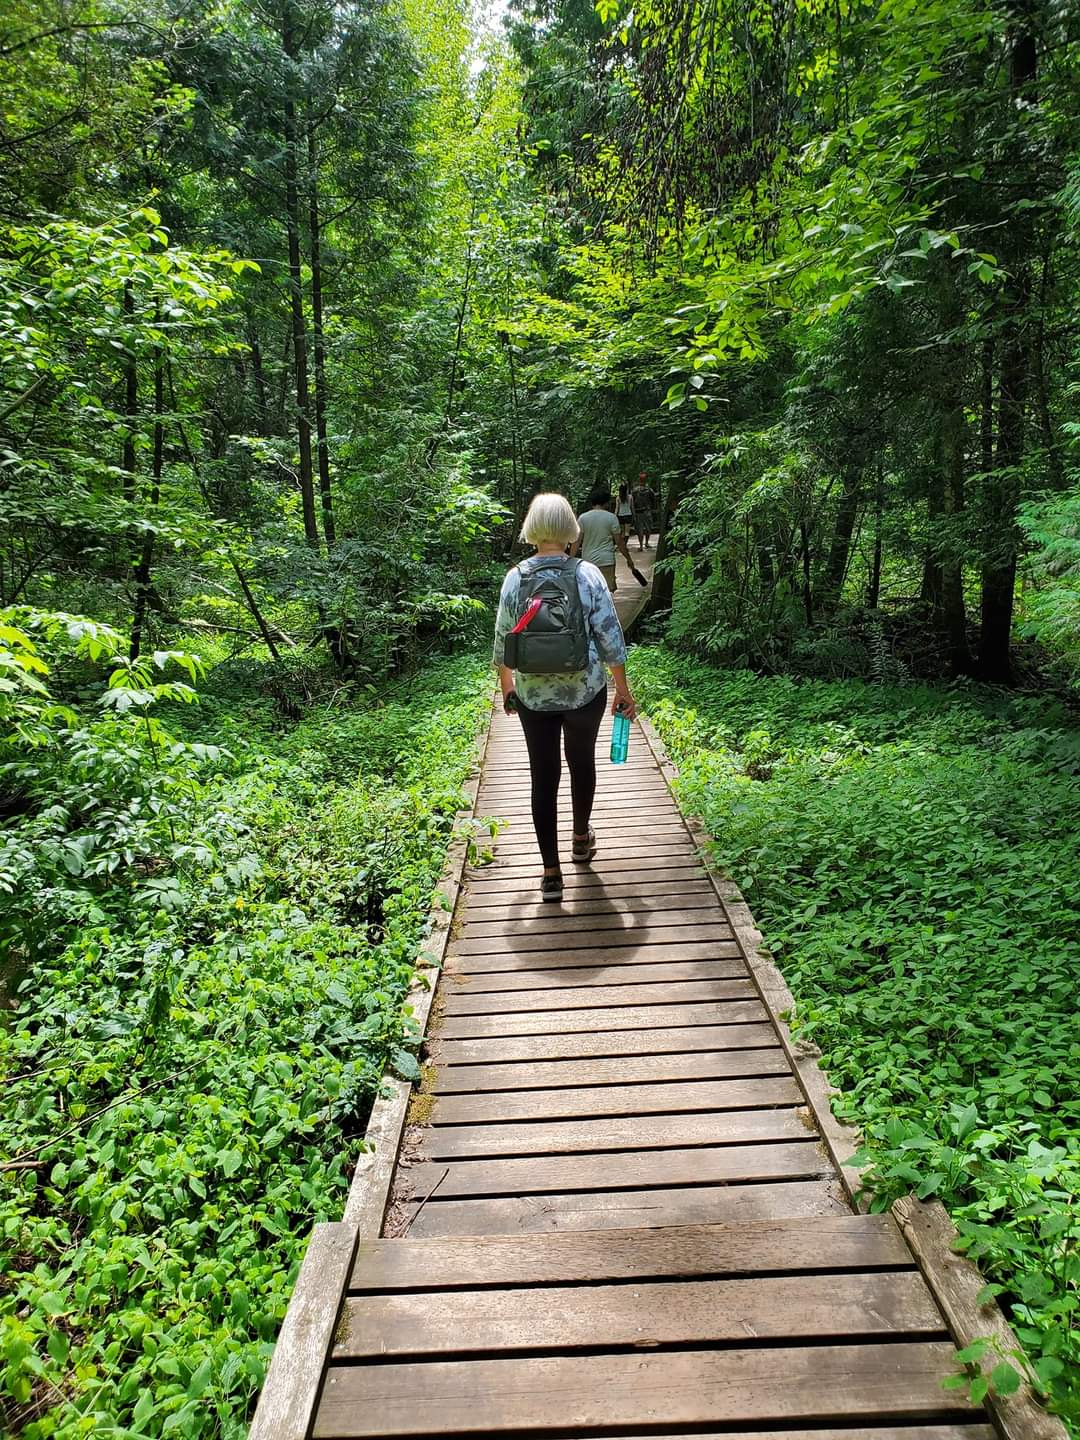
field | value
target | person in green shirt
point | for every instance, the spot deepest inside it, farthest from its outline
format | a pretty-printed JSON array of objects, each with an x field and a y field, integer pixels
[{"x": 601, "y": 535}]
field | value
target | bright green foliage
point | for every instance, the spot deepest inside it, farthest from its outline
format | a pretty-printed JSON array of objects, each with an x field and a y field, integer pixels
[
  {"x": 210, "y": 947},
  {"x": 913, "y": 859},
  {"x": 1051, "y": 606}
]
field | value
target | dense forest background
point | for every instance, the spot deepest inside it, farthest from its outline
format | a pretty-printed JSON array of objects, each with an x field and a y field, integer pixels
[{"x": 299, "y": 304}]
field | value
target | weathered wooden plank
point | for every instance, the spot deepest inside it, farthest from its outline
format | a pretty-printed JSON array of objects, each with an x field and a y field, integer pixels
[
  {"x": 644, "y": 1313},
  {"x": 663, "y": 952},
  {"x": 758, "y": 1247},
  {"x": 642, "y": 973},
  {"x": 625, "y": 1170},
  {"x": 651, "y": 792},
  {"x": 677, "y": 851},
  {"x": 629, "y": 1017},
  {"x": 583, "y": 883},
  {"x": 625, "y": 1099},
  {"x": 583, "y": 997},
  {"x": 488, "y": 1050},
  {"x": 615, "y": 1132},
  {"x": 289, "y": 1393},
  {"x": 608, "y": 831},
  {"x": 514, "y": 804},
  {"x": 615, "y": 1209},
  {"x": 697, "y": 1066},
  {"x": 860, "y": 1432},
  {"x": 639, "y": 782},
  {"x": 628, "y": 867},
  {"x": 956, "y": 1283},
  {"x": 583, "y": 939},
  {"x": 802, "y": 1385},
  {"x": 595, "y": 913}
]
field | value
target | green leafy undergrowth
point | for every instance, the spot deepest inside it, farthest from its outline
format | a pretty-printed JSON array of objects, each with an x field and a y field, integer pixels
[
  {"x": 913, "y": 857},
  {"x": 213, "y": 947}
]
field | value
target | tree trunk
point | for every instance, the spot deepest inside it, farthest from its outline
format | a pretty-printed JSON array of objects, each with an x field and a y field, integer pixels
[
  {"x": 766, "y": 568},
  {"x": 517, "y": 450},
  {"x": 663, "y": 585},
  {"x": 283, "y": 384},
  {"x": 459, "y": 340},
  {"x": 946, "y": 492},
  {"x": 1054, "y": 466},
  {"x": 808, "y": 589},
  {"x": 296, "y": 293},
  {"x": 131, "y": 400},
  {"x": 321, "y": 444},
  {"x": 260, "y": 381},
  {"x": 986, "y": 422},
  {"x": 873, "y": 589},
  {"x": 999, "y": 566},
  {"x": 836, "y": 565},
  {"x": 953, "y": 615},
  {"x": 146, "y": 551}
]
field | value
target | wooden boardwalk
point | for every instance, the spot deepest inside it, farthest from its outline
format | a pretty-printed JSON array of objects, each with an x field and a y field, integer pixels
[{"x": 612, "y": 1213}]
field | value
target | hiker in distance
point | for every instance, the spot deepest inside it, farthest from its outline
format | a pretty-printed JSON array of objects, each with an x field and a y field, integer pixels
[
  {"x": 624, "y": 509},
  {"x": 555, "y": 631},
  {"x": 600, "y": 535},
  {"x": 643, "y": 503}
]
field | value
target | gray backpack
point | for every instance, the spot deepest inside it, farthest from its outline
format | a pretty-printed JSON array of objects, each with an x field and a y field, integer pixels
[{"x": 555, "y": 641}]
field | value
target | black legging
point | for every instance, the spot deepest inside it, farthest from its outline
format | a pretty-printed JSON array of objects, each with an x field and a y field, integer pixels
[{"x": 579, "y": 729}]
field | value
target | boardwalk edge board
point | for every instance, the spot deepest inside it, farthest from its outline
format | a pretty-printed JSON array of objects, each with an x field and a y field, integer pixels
[
  {"x": 840, "y": 1140},
  {"x": 293, "y": 1382},
  {"x": 954, "y": 1281}
]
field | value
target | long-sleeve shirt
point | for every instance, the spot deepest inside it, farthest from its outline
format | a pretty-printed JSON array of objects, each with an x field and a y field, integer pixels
[{"x": 606, "y": 642}]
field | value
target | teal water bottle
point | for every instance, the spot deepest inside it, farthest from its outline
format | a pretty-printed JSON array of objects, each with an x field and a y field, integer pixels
[{"x": 620, "y": 737}]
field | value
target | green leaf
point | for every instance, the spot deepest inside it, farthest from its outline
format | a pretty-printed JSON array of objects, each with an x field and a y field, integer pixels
[
  {"x": 1004, "y": 1379},
  {"x": 199, "y": 1381},
  {"x": 58, "y": 1346}
]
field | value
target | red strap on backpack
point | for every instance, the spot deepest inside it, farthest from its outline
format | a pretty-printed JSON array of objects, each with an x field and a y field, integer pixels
[{"x": 531, "y": 611}]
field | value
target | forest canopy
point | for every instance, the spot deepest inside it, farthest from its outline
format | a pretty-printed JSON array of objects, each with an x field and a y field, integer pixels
[{"x": 300, "y": 304}]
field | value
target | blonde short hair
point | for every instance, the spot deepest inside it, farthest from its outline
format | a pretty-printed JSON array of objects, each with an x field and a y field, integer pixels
[{"x": 551, "y": 518}]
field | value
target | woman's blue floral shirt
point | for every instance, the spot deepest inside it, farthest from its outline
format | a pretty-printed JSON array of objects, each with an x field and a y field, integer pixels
[{"x": 606, "y": 642}]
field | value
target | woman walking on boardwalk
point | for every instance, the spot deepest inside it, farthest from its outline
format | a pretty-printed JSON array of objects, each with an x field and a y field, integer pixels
[{"x": 555, "y": 631}]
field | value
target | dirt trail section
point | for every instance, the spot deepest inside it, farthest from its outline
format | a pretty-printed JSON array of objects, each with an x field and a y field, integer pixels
[{"x": 616, "y": 1208}]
